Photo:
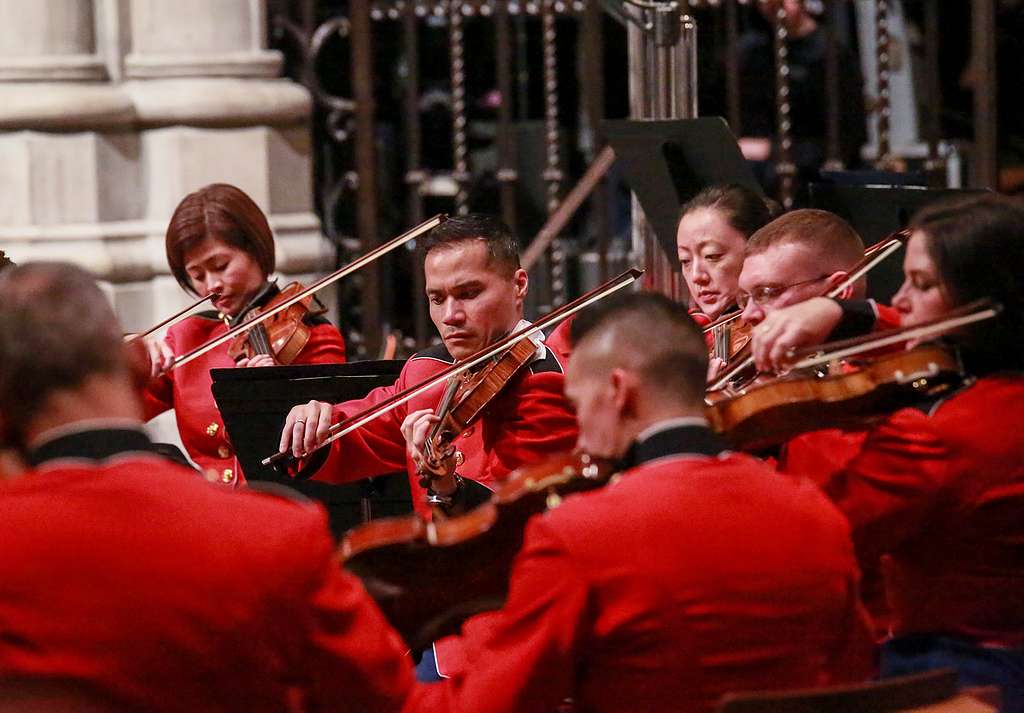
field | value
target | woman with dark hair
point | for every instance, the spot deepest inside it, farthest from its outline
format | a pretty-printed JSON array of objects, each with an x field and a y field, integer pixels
[
  {"x": 935, "y": 494},
  {"x": 218, "y": 241},
  {"x": 713, "y": 229}
]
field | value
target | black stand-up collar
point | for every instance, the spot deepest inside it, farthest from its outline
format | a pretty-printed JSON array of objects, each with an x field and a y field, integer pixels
[
  {"x": 676, "y": 440},
  {"x": 94, "y": 444},
  {"x": 264, "y": 294}
]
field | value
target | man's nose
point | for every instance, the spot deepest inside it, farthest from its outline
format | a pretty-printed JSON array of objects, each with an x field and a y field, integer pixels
[
  {"x": 752, "y": 314},
  {"x": 453, "y": 312}
]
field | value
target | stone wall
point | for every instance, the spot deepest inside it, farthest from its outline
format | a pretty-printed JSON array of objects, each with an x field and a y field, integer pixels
[{"x": 112, "y": 110}]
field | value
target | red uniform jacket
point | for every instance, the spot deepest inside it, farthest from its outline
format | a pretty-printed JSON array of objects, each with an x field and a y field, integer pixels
[
  {"x": 941, "y": 492},
  {"x": 141, "y": 582},
  {"x": 692, "y": 575},
  {"x": 187, "y": 389},
  {"x": 529, "y": 420}
]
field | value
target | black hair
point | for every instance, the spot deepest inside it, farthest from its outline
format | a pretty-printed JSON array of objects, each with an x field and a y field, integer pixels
[
  {"x": 977, "y": 245},
  {"x": 502, "y": 247}
]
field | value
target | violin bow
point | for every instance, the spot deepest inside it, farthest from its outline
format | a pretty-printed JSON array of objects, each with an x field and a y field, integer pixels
[
  {"x": 170, "y": 321},
  {"x": 359, "y": 420},
  {"x": 348, "y": 269},
  {"x": 873, "y": 256},
  {"x": 976, "y": 311}
]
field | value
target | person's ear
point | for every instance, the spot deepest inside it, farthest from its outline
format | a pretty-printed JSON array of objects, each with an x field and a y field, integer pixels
[
  {"x": 834, "y": 280},
  {"x": 521, "y": 283},
  {"x": 623, "y": 386}
]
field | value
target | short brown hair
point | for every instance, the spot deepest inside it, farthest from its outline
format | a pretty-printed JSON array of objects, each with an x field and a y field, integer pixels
[
  {"x": 502, "y": 248},
  {"x": 822, "y": 232},
  {"x": 56, "y": 329},
  {"x": 219, "y": 211}
]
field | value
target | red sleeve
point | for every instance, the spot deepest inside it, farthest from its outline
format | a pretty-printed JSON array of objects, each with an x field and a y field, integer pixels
[
  {"x": 560, "y": 338},
  {"x": 377, "y": 447},
  {"x": 342, "y": 649},
  {"x": 886, "y": 317},
  {"x": 522, "y": 659},
  {"x": 531, "y": 421},
  {"x": 887, "y": 489},
  {"x": 325, "y": 346},
  {"x": 158, "y": 396},
  {"x": 855, "y": 657}
]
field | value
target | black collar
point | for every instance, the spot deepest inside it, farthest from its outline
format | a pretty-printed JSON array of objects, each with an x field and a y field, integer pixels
[
  {"x": 261, "y": 297},
  {"x": 677, "y": 440},
  {"x": 95, "y": 444}
]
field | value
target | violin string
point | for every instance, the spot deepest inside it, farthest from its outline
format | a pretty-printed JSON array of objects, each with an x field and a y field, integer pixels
[{"x": 343, "y": 428}]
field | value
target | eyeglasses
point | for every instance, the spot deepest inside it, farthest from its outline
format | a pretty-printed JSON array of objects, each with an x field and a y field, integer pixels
[{"x": 767, "y": 293}]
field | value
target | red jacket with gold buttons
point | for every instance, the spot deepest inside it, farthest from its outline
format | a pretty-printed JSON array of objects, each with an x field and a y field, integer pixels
[
  {"x": 696, "y": 573},
  {"x": 134, "y": 579},
  {"x": 529, "y": 420},
  {"x": 187, "y": 389}
]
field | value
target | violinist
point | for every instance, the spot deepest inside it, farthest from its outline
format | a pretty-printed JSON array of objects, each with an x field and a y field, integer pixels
[
  {"x": 800, "y": 255},
  {"x": 131, "y": 584},
  {"x": 476, "y": 289},
  {"x": 219, "y": 242},
  {"x": 711, "y": 238},
  {"x": 937, "y": 491},
  {"x": 662, "y": 590}
]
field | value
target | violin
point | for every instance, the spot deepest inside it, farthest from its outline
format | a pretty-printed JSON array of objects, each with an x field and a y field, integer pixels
[
  {"x": 283, "y": 335},
  {"x": 770, "y": 413},
  {"x": 464, "y": 401},
  {"x": 726, "y": 336},
  {"x": 428, "y": 576}
]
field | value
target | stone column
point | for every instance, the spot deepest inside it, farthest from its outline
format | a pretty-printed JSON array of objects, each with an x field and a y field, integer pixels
[
  {"x": 49, "y": 40},
  {"x": 112, "y": 110},
  {"x": 188, "y": 96}
]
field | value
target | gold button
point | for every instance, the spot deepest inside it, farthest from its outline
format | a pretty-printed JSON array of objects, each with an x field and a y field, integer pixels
[
  {"x": 212, "y": 429},
  {"x": 227, "y": 476},
  {"x": 224, "y": 452},
  {"x": 459, "y": 458}
]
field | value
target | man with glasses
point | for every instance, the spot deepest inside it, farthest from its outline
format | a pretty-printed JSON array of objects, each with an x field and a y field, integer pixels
[{"x": 799, "y": 256}]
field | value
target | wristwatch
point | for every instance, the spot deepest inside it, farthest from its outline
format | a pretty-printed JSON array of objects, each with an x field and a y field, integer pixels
[{"x": 434, "y": 498}]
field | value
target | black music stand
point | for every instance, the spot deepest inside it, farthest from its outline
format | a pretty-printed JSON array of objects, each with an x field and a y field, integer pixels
[
  {"x": 876, "y": 211},
  {"x": 667, "y": 162},
  {"x": 254, "y": 404}
]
